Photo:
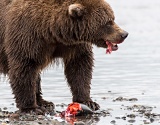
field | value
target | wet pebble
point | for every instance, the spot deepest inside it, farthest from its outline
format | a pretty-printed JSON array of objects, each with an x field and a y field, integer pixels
[
  {"x": 124, "y": 99},
  {"x": 113, "y": 122},
  {"x": 40, "y": 123},
  {"x": 146, "y": 122},
  {"x": 131, "y": 121},
  {"x": 152, "y": 120},
  {"x": 119, "y": 99},
  {"x": 117, "y": 118},
  {"x": 5, "y": 108},
  {"x": 131, "y": 115},
  {"x": 133, "y": 99},
  {"x": 124, "y": 117},
  {"x": 104, "y": 98}
]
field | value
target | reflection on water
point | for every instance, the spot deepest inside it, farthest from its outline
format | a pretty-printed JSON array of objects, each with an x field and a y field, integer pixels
[{"x": 132, "y": 71}]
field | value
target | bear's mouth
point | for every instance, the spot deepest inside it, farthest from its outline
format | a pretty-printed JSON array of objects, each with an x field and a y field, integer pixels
[{"x": 112, "y": 46}]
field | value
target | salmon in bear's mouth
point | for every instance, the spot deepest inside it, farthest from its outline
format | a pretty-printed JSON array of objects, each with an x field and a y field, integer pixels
[{"x": 112, "y": 46}]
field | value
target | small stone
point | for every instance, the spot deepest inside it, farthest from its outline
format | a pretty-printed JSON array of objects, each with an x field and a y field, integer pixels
[
  {"x": 151, "y": 120},
  {"x": 133, "y": 99},
  {"x": 131, "y": 116},
  {"x": 103, "y": 98},
  {"x": 12, "y": 103},
  {"x": 124, "y": 118},
  {"x": 113, "y": 122},
  {"x": 131, "y": 121},
  {"x": 119, "y": 99},
  {"x": 117, "y": 118},
  {"x": 146, "y": 122},
  {"x": 5, "y": 108}
]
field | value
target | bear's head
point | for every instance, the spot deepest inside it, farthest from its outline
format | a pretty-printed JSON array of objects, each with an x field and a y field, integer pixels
[{"x": 89, "y": 21}]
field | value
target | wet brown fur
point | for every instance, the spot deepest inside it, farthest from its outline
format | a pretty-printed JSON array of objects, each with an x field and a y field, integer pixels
[{"x": 34, "y": 33}]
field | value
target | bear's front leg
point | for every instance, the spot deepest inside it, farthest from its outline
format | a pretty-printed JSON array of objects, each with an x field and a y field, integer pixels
[
  {"x": 48, "y": 106},
  {"x": 23, "y": 77},
  {"x": 78, "y": 71}
]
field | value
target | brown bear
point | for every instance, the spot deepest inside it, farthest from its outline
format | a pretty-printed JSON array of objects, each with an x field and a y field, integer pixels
[{"x": 35, "y": 33}]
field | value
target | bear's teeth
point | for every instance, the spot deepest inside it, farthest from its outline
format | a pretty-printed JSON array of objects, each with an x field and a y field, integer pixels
[{"x": 114, "y": 44}]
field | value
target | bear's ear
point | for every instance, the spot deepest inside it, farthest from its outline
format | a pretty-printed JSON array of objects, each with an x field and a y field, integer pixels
[{"x": 76, "y": 10}]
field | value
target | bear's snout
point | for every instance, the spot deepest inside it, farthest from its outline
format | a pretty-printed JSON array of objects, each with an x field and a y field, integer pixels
[{"x": 124, "y": 35}]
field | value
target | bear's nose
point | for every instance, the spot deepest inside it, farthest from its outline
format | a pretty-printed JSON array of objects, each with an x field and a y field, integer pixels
[{"x": 124, "y": 35}]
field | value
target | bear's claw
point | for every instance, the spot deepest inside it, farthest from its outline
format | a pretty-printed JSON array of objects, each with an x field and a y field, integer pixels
[
  {"x": 36, "y": 111},
  {"x": 93, "y": 105},
  {"x": 49, "y": 106}
]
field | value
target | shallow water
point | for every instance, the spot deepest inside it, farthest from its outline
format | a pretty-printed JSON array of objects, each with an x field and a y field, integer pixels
[{"x": 132, "y": 72}]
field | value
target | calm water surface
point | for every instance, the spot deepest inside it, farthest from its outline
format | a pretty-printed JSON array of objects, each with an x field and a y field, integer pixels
[{"x": 132, "y": 71}]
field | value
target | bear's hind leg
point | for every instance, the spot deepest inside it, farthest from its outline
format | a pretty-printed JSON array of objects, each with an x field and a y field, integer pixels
[
  {"x": 48, "y": 106},
  {"x": 22, "y": 77}
]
